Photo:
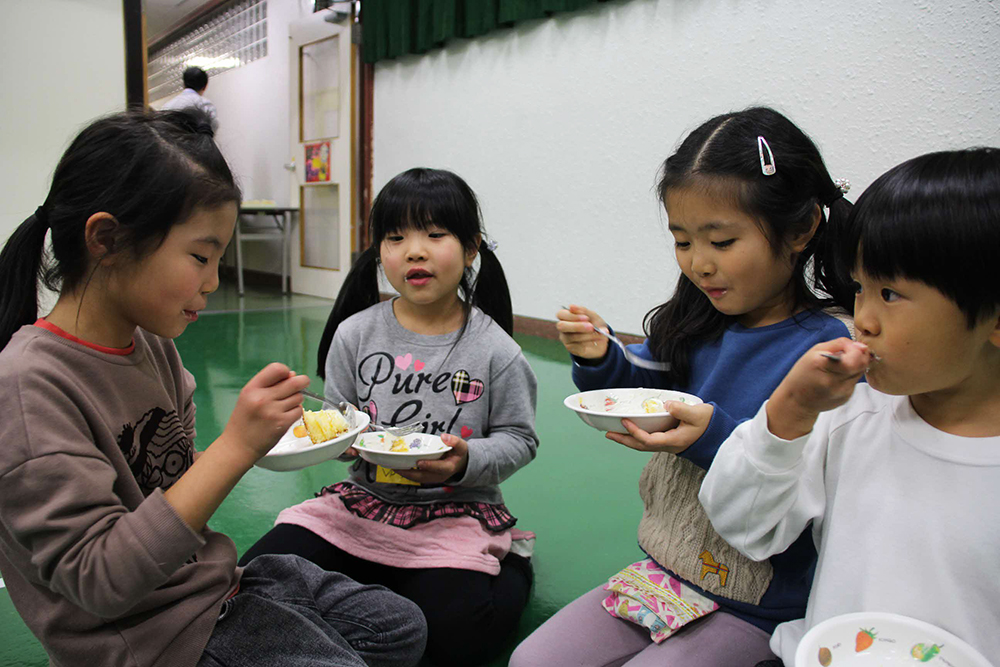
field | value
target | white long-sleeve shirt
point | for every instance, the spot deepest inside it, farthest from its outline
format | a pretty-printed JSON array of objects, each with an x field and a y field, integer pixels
[
  {"x": 191, "y": 98},
  {"x": 904, "y": 516}
]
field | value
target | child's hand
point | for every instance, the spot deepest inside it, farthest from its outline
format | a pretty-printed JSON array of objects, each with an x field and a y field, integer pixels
[
  {"x": 576, "y": 332},
  {"x": 451, "y": 465},
  {"x": 269, "y": 403},
  {"x": 816, "y": 384},
  {"x": 694, "y": 420}
]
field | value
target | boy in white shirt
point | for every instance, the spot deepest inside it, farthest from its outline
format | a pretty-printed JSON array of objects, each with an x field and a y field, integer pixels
[{"x": 898, "y": 478}]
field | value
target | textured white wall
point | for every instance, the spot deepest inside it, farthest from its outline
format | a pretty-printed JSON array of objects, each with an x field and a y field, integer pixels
[
  {"x": 63, "y": 64},
  {"x": 560, "y": 125}
]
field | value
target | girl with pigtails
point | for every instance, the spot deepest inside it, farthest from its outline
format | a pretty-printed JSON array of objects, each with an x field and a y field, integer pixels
[
  {"x": 105, "y": 546},
  {"x": 749, "y": 204},
  {"x": 440, "y": 353}
]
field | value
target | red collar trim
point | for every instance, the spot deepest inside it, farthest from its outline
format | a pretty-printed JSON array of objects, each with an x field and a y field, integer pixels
[{"x": 48, "y": 326}]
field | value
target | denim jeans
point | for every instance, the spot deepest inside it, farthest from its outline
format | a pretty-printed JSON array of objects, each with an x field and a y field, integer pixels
[
  {"x": 471, "y": 616},
  {"x": 291, "y": 613}
]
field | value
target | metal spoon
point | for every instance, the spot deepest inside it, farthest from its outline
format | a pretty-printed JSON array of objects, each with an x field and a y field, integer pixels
[{"x": 634, "y": 358}]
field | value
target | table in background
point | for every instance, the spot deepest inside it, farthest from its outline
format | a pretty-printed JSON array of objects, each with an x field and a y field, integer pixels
[{"x": 282, "y": 217}]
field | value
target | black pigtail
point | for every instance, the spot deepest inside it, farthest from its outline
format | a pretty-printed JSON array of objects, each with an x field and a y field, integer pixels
[
  {"x": 491, "y": 293},
  {"x": 21, "y": 266},
  {"x": 359, "y": 291}
]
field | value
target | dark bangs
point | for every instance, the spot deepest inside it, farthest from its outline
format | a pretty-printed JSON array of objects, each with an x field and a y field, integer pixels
[
  {"x": 422, "y": 198},
  {"x": 934, "y": 219}
]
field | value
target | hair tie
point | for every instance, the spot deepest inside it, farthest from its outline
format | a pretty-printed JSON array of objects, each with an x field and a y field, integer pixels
[
  {"x": 843, "y": 186},
  {"x": 41, "y": 216},
  {"x": 491, "y": 245}
]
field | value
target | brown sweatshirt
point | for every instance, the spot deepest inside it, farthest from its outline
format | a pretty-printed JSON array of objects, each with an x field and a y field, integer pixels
[{"x": 96, "y": 561}]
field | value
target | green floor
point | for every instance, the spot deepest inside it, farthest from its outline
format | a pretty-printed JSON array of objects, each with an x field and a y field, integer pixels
[{"x": 579, "y": 495}]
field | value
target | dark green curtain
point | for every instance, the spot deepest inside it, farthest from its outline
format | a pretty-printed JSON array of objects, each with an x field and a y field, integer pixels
[{"x": 392, "y": 28}]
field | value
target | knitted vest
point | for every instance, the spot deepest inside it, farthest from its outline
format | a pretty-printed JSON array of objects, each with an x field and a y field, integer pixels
[{"x": 676, "y": 532}]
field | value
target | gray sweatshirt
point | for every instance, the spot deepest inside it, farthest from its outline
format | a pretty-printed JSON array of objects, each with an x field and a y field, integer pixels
[
  {"x": 98, "y": 564},
  {"x": 480, "y": 389}
]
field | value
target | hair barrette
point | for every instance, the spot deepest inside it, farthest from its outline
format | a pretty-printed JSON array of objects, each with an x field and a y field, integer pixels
[
  {"x": 491, "y": 245},
  {"x": 843, "y": 185},
  {"x": 767, "y": 166}
]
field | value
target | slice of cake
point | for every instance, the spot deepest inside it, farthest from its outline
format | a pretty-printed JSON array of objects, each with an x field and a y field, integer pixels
[
  {"x": 323, "y": 425},
  {"x": 653, "y": 405}
]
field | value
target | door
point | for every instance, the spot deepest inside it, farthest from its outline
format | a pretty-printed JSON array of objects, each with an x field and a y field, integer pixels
[{"x": 321, "y": 70}]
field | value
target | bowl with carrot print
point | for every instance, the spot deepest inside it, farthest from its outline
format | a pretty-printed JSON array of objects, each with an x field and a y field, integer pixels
[{"x": 876, "y": 639}]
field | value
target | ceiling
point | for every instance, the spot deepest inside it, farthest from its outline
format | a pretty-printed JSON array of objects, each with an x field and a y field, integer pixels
[{"x": 162, "y": 15}]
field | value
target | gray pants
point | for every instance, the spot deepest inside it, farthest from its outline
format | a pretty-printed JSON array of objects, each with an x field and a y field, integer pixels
[
  {"x": 583, "y": 634},
  {"x": 291, "y": 613}
]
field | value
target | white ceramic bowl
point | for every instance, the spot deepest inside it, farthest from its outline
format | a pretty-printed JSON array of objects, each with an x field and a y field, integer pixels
[
  {"x": 372, "y": 448},
  {"x": 294, "y": 453},
  {"x": 592, "y": 408},
  {"x": 898, "y": 640}
]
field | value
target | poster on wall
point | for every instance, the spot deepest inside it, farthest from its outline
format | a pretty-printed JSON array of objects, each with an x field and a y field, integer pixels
[{"x": 317, "y": 162}]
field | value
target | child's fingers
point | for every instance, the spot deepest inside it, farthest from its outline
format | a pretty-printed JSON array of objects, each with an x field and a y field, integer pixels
[
  {"x": 435, "y": 468},
  {"x": 843, "y": 357},
  {"x": 675, "y": 440},
  {"x": 689, "y": 414},
  {"x": 270, "y": 375},
  {"x": 568, "y": 315},
  {"x": 626, "y": 440},
  {"x": 289, "y": 404},
  {"x": 582, "y": 311},
  {"x": 292, "y": 386},
  {"x": 581, "y": 341},
  {"x": 574, "y": 327}
]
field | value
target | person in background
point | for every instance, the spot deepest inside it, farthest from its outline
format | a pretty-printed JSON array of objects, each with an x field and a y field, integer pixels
[{"x": 193, "y": 95}]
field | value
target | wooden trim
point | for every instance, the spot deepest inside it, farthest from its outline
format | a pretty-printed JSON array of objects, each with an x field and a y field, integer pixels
[
  {"x": 254, "y": 277},
  {"x": 298, "y": 68},
  {"x": 302, "y": 219},
  {"x": 145, "y": 64},
  {"x": 533, "y": 326},
  {"x": 185, "y": 23},
  {"x": 136, "y": 94},
  {"x": 353, "y": 131},
  {"x": 367, "y": 129}
]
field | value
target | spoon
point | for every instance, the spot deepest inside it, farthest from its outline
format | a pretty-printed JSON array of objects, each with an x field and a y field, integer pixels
[
  {"x": 346, "y": 409},
  {"x": 632, "y": 357},
  {"x": 836, "y": 356}
]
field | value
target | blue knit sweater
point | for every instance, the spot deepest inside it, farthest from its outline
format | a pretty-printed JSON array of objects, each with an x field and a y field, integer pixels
[{"x": 736, "y": 374}]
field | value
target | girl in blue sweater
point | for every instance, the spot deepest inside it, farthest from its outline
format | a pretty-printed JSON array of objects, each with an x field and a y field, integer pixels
[{"x": 746, "y": 196}]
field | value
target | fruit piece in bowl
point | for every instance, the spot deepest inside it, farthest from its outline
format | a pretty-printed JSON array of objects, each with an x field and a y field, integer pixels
[{"x": 604, "y": 409}]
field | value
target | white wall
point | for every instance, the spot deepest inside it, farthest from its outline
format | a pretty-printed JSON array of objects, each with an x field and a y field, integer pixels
[
  {"x": 252, "y": 102},
  {"x": 560, "y": 125},
  {"x": 63, "y": 64}
]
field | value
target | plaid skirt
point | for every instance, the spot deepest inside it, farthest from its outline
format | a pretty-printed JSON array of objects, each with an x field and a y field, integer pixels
[{"x": 495, "y": 518}]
